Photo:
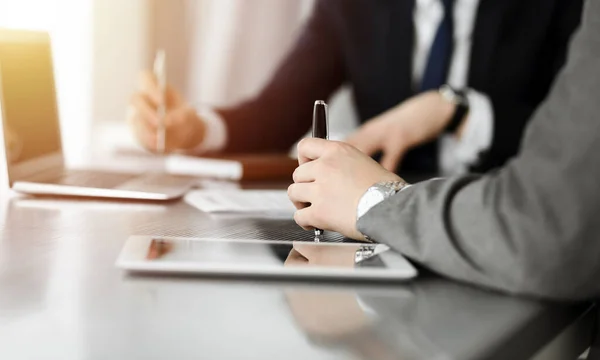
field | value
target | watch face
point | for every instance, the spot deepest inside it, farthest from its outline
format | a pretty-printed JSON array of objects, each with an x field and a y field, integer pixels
[
  {"x": 376, "y": 194},
  {"x": 374, "y": 197}
]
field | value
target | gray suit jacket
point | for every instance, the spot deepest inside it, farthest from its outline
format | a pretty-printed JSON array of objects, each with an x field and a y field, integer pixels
[{"x": 533, "y": 226}]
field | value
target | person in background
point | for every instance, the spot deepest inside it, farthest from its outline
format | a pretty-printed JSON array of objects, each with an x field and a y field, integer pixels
[
  {"x": 441, "y": 86},
  {"x": 529, "y": 228}
]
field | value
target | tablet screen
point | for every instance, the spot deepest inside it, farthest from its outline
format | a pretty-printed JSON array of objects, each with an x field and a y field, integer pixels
[
  {"x": 266, "y": 253},
  {"x": 260, "y": 257}
]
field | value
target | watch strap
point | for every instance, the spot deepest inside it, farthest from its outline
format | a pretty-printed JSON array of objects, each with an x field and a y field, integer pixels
[
  {"x": 457, "y": 119},
  {"x": 460, "y": 100}
]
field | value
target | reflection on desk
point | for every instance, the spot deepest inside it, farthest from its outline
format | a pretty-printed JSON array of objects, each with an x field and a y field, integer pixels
[
  {"x": 342, "y": 320},
  {"x": 429, "y": 320},
  {"x": 62, "y": 298}
]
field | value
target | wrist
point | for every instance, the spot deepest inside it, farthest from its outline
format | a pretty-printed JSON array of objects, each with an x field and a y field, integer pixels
[
  {"x": 197, "y": 133},
  {"x": 391, "y": 177},
  {"x": 444, "y": 108}
]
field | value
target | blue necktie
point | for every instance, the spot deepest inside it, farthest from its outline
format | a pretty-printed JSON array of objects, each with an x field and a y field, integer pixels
[{"x": 438, "y": 64}]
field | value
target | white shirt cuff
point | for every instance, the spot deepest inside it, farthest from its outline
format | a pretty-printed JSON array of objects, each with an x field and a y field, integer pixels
[
  {"x": 458, "y": 154},
  {"x": 215, "y": 138}
]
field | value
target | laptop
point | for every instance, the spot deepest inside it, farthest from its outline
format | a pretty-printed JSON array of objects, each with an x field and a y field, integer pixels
[{"x": 32, "y": 136}]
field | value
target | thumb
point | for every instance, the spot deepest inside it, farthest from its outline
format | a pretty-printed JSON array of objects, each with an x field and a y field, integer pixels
[
  {"x": 391, "y": 158},
  {"x": 174, "y": 98},
  {"x": 179, "y": 116}
]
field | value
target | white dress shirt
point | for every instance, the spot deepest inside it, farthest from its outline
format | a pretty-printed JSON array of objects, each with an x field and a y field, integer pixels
[{"x": 455, "y": 154}]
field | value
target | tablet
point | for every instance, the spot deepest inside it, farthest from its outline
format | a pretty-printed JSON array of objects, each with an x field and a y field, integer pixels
[{"x": 282, "y": 259}]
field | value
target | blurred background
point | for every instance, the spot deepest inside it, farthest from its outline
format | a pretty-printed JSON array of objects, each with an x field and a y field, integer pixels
[{"x": 221, "y": 53}]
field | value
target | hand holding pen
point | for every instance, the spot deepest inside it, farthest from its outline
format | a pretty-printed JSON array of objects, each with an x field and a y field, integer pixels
[{"x": 160, "y": 117}]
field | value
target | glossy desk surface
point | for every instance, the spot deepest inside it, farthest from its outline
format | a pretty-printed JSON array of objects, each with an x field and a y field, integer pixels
[{"x": 61, "y": 297}]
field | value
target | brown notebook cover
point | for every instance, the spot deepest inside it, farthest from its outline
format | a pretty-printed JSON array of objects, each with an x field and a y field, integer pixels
[{"x": 263, "y": 167}]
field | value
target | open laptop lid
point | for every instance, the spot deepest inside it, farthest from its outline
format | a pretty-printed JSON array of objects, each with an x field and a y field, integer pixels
[{"x": 28, "y": 106}]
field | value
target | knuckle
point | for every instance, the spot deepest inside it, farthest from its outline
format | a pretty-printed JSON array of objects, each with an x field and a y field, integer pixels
[
  {"x": 290, "y": 191},
  {"x": 304, "y": 218},
  {"x": 303, "y": 144},
  {"x": 295, "y": 176},
  {"x": 338, "y": 148},
  {"x": 299, "y": 218},
  {"x": 330, "y": 163},
  {"x": 326, "y": 165}
]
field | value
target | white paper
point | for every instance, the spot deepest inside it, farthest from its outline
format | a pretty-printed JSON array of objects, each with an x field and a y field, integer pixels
[
  {"x": 241, "y": 201},
  {"x": 194, "y": 166}
]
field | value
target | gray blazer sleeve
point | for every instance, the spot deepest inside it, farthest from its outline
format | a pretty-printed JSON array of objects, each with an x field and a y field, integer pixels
[{"x": 532, "y": 227}]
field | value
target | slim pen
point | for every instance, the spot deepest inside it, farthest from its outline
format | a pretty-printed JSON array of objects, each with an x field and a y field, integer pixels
[
  {"x": 160, "y": 73},
  {"x": 320, "y": 130}
]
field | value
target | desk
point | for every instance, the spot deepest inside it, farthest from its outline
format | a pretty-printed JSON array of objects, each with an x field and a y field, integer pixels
[{"x": 62, "y": 298}]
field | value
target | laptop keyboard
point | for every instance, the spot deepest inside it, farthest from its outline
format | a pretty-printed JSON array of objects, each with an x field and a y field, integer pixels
[
  {"x": 106, "y": 180},
  {"x": 93, "y": 179},
  {"x": 165, "y": 180}
]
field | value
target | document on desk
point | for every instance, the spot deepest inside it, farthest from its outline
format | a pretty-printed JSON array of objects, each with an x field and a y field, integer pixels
[
  {"x": 241, "y": 201},
  {"x": 203, "y": 167}
]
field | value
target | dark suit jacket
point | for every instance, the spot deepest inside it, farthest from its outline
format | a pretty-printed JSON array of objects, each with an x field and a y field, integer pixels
[{"x": 518, "y": 47}]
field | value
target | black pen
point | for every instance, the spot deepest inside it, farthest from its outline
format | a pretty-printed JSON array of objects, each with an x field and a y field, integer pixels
[{"x": 320, "y": 130}]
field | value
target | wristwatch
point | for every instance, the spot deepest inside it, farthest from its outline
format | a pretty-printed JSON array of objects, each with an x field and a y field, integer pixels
[
  {"x": 460, "y": 100},
  {"x": 376, "y": 194}
]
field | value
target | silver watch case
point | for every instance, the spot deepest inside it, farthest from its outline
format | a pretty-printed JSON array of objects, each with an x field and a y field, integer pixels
[{"x": 376, "y": 194}]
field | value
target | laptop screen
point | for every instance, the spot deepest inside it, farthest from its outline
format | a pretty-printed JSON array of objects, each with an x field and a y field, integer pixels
[{"x": 30, "y": 114}]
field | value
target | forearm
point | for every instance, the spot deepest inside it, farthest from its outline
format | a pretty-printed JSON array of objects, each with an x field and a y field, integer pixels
[
  {"x": 482, "y": 231},
  {"x": 282, "y": 112},
  {"x": 250, "y": 130}
]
